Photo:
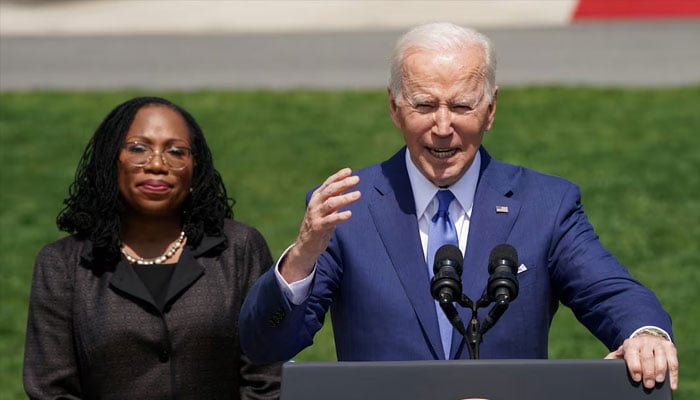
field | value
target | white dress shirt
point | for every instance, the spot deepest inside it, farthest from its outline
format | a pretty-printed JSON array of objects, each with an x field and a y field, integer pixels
[{"x": 427, "y": 204}]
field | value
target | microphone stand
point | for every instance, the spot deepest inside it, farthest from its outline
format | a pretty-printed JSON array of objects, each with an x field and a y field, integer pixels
[{"x": 474, "y": 333}]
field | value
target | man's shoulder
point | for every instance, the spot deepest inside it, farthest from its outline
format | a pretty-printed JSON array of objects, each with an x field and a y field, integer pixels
[
  {"x": 387, "y": 169},
  {"x": 518, "y": 175}
]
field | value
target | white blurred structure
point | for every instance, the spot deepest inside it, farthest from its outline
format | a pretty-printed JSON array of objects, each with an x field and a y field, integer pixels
[{"x": 95, "y": 17}]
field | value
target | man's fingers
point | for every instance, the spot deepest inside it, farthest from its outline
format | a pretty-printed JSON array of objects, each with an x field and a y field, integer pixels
[
  {"x": 660, "y": 364},
  {"x": 649, "y": 359},
  {"x": 672, "y": 362},
  {"x": 342, "y": 173},
  {"x": 646, "y": 354},
  {"x": 618, "y": 353},
  {"x": 336, "y": 202},
  {"x": 634, "y": 364},
  {"x": 336, "y": 185},
  {"x": 322, "y": 214}
]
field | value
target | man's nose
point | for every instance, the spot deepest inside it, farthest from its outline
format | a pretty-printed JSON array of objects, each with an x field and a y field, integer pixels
[{"x": 443, "y": 120}]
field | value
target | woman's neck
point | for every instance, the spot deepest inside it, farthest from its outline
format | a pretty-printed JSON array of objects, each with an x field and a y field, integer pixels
[{"x": 150, "y": 238}]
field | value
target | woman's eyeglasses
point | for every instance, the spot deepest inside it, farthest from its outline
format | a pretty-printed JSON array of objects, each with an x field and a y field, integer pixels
[{"x": 140, "y": 154}]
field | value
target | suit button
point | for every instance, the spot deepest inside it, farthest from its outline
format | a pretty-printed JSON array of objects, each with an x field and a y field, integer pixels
[{"x": 164, "y": 356}]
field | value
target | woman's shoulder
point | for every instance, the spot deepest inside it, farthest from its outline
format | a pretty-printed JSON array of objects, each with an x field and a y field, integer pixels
[
  {"x": 236, "y": 227},
  {"x": 64, "y": 246},
  {"x": 62, "y": 254},
  {"x": 237, "y": 231}
]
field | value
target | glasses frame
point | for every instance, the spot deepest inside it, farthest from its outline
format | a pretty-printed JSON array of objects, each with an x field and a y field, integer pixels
[{"x": 154, "y": 152}]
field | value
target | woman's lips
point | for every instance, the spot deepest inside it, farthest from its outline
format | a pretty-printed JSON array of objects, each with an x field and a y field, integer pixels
[{"x": 153, "y": 185}]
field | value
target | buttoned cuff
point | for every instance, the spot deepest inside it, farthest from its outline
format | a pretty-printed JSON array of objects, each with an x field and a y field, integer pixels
[
  {"x": 651, "y": 330},
  {"x": 295, "y": 292}
]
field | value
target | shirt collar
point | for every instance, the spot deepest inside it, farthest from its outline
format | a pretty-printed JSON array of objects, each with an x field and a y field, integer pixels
[{"x": 424, "y": 190}]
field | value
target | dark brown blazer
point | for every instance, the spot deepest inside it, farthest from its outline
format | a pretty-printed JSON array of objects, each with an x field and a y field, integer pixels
[{"x": 96, "y": 333}]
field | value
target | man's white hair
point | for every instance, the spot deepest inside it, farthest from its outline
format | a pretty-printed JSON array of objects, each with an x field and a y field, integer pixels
[{"x": 441, "y": 36}]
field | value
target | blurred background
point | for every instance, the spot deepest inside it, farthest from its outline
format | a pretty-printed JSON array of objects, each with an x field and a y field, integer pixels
[
  {"x": 334, "y": 44},
  {"x": 603, "y": 92}
]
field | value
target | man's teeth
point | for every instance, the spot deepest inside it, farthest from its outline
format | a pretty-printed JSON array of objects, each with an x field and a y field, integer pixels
[{"x": 442, "y": 153}]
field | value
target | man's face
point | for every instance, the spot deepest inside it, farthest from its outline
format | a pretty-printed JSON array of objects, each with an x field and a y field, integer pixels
[{"x": 443, "y": 111}]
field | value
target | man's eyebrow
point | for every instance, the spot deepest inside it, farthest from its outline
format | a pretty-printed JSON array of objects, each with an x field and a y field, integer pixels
[
  {"x": 421, "y": 98},
  {"x": 470, "y": 100}
]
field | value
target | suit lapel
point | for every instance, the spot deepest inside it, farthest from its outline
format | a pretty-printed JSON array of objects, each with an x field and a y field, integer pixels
[
  {"x": 191, "y": 266},
  {"x": 187, "y": 271},
  {"x": 126, "y": 280},
  {"x": 394, "y": 215},
  {"x": 393, "y": 212},
  {"x": 492, "y": 219}
]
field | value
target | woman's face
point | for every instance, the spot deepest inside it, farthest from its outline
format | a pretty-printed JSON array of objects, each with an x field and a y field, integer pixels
[{"x": 155, "y": 163}]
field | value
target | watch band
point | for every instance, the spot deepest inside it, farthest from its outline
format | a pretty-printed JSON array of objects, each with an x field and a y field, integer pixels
[{"x": 653, "y": 332}]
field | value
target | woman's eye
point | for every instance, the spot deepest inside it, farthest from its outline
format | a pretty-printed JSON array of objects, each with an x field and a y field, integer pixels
[
  {"x": 177, "y": 152},
  {"x": 136, "y": 148}
]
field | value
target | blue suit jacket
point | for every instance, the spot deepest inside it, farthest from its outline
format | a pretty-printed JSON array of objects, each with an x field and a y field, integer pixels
[{"x": 374, "y": 278}]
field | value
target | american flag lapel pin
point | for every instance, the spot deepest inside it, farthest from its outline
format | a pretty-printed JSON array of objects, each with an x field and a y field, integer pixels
[{"x": 502, "y": 209}]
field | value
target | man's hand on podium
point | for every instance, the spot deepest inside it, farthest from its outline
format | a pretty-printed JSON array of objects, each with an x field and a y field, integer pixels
[{"x": 648, "y": 357}]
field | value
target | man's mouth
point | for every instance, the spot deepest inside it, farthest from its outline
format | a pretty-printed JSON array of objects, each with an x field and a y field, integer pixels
[{"x": 443, "y": 153}]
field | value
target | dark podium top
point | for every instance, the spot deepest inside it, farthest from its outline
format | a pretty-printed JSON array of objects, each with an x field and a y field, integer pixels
[{"x": 465, "y": 379}]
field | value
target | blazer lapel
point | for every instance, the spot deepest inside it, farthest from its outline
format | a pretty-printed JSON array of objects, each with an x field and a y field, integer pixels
[
  {"x": 187, "y": 271},
  {"x": 126, "y": 280},
  {"x": 190, "y": 267},
  {"x": 394, "y": 215},
  {"x": 493, "y": 216}
]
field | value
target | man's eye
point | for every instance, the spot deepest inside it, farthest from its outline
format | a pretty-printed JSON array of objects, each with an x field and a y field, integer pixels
[
  {"x": 424, "y": 107},
  {"x": 461, "y": 108}
]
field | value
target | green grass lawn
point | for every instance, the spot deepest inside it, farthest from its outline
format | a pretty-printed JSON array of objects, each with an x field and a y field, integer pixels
[{"x": 635, "y": 154}]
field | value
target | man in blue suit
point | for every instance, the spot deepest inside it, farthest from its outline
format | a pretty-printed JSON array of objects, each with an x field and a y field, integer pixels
[{"x": 363, "y": 246}]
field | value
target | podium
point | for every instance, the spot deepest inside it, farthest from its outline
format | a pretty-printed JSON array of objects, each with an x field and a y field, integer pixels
[{"x": 465, "y": 379}]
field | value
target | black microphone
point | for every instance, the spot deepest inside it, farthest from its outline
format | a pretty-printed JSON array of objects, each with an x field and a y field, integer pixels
[
  {"x": 446, "y": 285},
  {"x": 503, "y": 267}
]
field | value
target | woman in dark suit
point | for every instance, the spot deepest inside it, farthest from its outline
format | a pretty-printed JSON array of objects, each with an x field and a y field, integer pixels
[{"x": 142, "y": 299}]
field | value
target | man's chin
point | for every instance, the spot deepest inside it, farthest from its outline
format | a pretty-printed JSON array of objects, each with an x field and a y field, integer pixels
[
  {"x": 444, "y": 177},
  {"x": 443, "y": 180}
]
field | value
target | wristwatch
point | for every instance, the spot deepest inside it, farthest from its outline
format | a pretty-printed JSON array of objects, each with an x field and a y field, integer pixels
[{"x": 653, "y": 332}]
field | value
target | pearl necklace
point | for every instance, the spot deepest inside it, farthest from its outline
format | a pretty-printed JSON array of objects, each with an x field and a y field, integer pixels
[{"x": 158, "y": 260}]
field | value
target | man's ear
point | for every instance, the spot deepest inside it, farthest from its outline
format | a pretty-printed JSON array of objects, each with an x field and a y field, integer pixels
[
  {"x": 393, "y": 108},
  {"x": 392, "y": 100},
  {"x": 491, "y": 116}
]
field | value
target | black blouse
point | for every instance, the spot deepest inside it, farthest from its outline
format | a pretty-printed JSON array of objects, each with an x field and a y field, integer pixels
[{"x": 156, "y": 278}]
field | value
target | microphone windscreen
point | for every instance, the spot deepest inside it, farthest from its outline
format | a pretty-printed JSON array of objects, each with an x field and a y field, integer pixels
[
  {"x": 503, "y": 252},
  {"x": 449, "y": 252}
]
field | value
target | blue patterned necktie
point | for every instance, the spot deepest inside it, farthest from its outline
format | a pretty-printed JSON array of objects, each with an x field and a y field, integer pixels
[{"x": 441, "y": 232}]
